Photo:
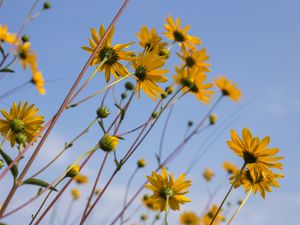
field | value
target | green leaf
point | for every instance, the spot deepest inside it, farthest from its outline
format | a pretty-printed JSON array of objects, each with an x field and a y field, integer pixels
[
  {"x": 3, "y": 223},
  {"x": 6, "y": 70},
  {"x": 8, "y": 160},
  {"x": 40, "y": 183}
]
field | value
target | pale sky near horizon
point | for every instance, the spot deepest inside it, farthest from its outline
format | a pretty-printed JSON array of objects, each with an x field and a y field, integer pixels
[{"x": 255, "y": 43}]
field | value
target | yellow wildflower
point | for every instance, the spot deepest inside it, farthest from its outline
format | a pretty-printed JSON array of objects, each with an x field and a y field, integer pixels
[
  {"x": 228, "y": 88},
  {"x": 81, "y": 179},
  {"x": 26, "y": 55},
  {"x": 112, "y": 54},
  {"x": 150, "y": 203},
  {"x": 177, "y": 34},
  {"x": 230, "y": 167},
  {"x": 38, "y": 81},
  {"x": 207, "y": 218},
  {"x": 7, "y": 37},
  {"x": 208, "y": 174},
  {"x": 147, "y": 72},
  {"x": 150, "y": 40},
  {"x": 20, "y": 121},
  {"x": 189, "y": 218},
  {"x": 166, "y": 191},
  {"x": 75, "y": 193}
]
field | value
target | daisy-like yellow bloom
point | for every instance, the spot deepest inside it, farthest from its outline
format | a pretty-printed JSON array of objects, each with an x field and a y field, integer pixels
[
  {"x": 189, "y": 218},
  {"x": 257, "y": 181},
  {"x": 150, "y": 40},
  {"x": 26, "y": 56},
  {"x": 7, "y": 37},
  {"x": 195, "y": 59},
  {"x": 193, "y": 81},
  {"x": 81, "y": 179},
  {"x": 38, "y": 81},
  {"x": 207, "y": 218},
  {"x": 148, "y": 72},
  {"x": 229, "y": 167},
  {"x": 166, "y": 191},
  {"x": 75, "y": 193},
  {"x": 112, "y": 54},
  {"x": 228, "y": 88},
  {"x": 208, "y": 174},
  {"x": 254, "y": 151},
  {"x": 175, "y": 33},
  {"x": 21, "y": 124},
  {"x": 150, "y": 203}
]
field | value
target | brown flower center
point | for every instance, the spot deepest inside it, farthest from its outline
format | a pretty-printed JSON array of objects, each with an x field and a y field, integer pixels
[
  {"x": 189, "y": 61},
  {"x": 110, "y": 54},
  {"x": 140, "y": 73},
  {"x": 178, "y": 36},
  {"x": 249, "y": 157}
]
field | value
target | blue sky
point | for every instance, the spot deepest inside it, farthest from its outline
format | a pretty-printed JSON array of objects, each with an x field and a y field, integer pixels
[{"x": 255, "y": 43}]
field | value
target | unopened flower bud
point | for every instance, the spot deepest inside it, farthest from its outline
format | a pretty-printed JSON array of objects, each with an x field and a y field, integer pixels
[
  {"x": 157, "y": 217},
  {"x": 73, "y": 171},
  {"x": 123, "y": 95},
  {"x": 154, "y": 115},
  {"x": 47, "y": 5},
  {"x": 144, "y": 217},
  {"x": 1, "y": 163},
  {"x": 103, "y": 112},
  {"x": 164, "y": 95},
  {"x": 21, "y": 139},
  {"x": 213, "y": 119},
  {"x": 25, "y": 38},
  {"x": 164, "y": 52},
  {"x": 187, "y": 82},
  {"x": 190, "y": 123},
  {"x": 129, "y": 86},
  {"x": 141, "y": 163},
  {"x": 169, "y": 90},
  {"x": 108, "y": 143}
]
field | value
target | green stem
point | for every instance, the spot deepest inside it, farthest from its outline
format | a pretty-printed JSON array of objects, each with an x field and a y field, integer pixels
[
  {"x": 226, "y": 196},
  {"x": 85, "y": 154},
  {"x": 237, "y": 211}
]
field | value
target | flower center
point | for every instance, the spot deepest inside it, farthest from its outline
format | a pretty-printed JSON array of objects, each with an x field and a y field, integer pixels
[
  {"x": 225, "y": 92},
  {"x": 149, "y": 46},
  {"x": 110, "y": 54},
  {"x": 17, "y": 125},
  {"x": 249, "y": 157},
  {"x": 166, "y": 192},
  {"x": 178, "y": 36},
  {"x": 210, "y": 215},
  {"x": 22, "y": 55},
  {"x": 140, "y": 73},
  {"x": 190, "y": 62},
  {"x": 188, "y": 221}
]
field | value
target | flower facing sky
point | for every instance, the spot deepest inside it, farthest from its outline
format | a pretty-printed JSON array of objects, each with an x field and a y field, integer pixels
[
  {"x": 26, "y": 56},
  {"x": 150, "y": 203},
  {"x": 7, "y": 37},
  {"x": 168, "y": 192},
  {"x": 150, "y": 40},
  {"x": 228, "y": 88},
  {"x": 21, "y": 124},
  {"x": 148, "y": 72},
  {"x": 177, "y": 34},
  {"x": 112, "y": 54},
  {"x": 207, "y": 218},
  {"x": 229, "y": 167},
  {"x": 189, "y": 218},
  {"x": 38, "y": 81},
  {"x": 254, "y": 151}
]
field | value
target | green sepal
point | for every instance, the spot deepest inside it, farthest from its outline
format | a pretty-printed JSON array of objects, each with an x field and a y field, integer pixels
[
  {"x": 40, "y": 183},
  {"x": 8, "y": 160}
]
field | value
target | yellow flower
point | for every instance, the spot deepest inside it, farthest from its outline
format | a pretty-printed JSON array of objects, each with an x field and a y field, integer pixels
[
  {"x": 228, "y": 88},
  {"x": 38, "y": 81},
  {"x": 112, "y": 54},
  {"x": 73, "y": 170},
  {"x": 7, "y": 37},
  {"x": 147, "y": 72},
  {"x": 150, "y": 40},
  {"x": 207, "y": 218},
  {"x": 254, "y": 151},
  {"x": 75, "y": 193},
  {"x": 193, "y": 81},
  {"x": 141, "y": 163},
  {"x": 175, "y": 33},
  {"x": 81, "y": 179},
  {"x": 257, "y": 181},
  {"x": 166, "y": 191},
  {"x": 229, "y": 167},
  {"x": 208, "y": 174},
  {"x": 189, "y": 218},
  {"x": 21, "y": 119},
  {"x": 26, "y": 55},
  {"x": 195, "y": 59},
  {"x": 150, "y": 203}
]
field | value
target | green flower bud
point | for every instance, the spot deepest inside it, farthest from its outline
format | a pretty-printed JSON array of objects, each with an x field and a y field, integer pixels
[
  {"x": 1, "y": 163},
  {"x": 108, "y": 143},
  {"x": 154, "y": 115},
  {"x": 213, "y": 119},
  {"x": 144, "y": 217},
  {"x": 103, "y": 112},
  {"x": 123, "y": 95},
  {"x": 25, "y": 38},
  {"x": 164, "y": 52},
  {"x": 141, "y": 163},
  {"x": 21, "y": 139},
  {"x": 129, "y": 86},
  {"x": 164, "y": 95},
  {"x": 190, "y": 123},
  {"x": 169, "y": 90},
  {"x": 47, "y": 5},
  {"x": 187, "y": 82}
]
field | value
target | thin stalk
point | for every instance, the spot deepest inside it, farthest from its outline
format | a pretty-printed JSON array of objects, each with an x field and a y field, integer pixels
[
  {"x": 243, "y": 203},
  {"x": 44, "y": 201},
  {"x": 131, "y": 131},
  {"x": 94, "y": 187},
  {"x": 68, "y": 145},
  {"x": 98, "y": 92},
  {"x": 126, "y": 192},
  {"x": 69, "y": 210},
  {"x": 227, "y": 194}
]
